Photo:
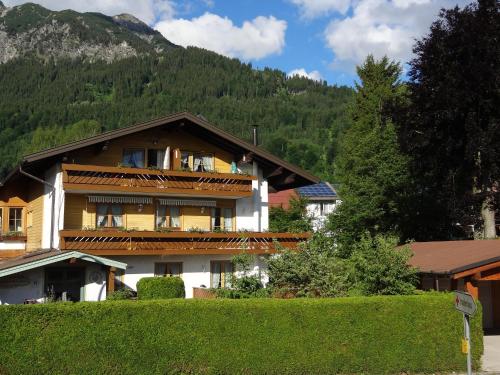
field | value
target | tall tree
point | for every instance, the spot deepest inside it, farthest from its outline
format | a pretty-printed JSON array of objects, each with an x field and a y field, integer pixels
[
  {"x": 453, "y": 131},
  {"x": 370, "y": 168}
]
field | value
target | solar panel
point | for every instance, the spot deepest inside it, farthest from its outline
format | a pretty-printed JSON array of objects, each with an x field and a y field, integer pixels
[{"x": 321, "y": 189}]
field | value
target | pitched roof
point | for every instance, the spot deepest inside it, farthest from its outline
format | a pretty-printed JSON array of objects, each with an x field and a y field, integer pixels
[
  {"x": 276, "y": 167},
  {"x": 44, "y": 257},
  {"x": 320, "y": 190},
  {"x": 449, "y": 257}
]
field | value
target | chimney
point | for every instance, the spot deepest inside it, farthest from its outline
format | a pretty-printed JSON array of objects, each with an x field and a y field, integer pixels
[{"x": 255, "y": 136}]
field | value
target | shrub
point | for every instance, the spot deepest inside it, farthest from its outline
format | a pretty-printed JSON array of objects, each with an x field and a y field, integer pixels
[
  {"x": 160, "y": 288},
  {"x": 121, "y": 294},
  {"x": 369, "y": 335}
]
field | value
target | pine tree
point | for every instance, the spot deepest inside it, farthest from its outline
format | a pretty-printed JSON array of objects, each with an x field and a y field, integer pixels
[{"x": 371, "y": 170}]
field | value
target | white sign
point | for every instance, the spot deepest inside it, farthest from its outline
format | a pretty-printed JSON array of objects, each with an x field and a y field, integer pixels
[{"x": 464, "y": 302}]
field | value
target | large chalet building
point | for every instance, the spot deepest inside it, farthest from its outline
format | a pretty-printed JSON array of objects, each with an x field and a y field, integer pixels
[{"x": 173, "y": 196}]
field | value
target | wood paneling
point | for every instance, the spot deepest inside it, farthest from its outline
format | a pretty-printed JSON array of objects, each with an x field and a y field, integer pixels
[
  {"x": 193, "y": 217},
  {"x": 151, "y": 139},
  {"x": 35, "y": 210},
  {"x": 81, "y": 214}
]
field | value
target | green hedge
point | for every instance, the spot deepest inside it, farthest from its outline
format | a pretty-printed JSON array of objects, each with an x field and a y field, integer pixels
[
  {"x": 370, "y": 335},
  {"x": 160, "y": 288}
]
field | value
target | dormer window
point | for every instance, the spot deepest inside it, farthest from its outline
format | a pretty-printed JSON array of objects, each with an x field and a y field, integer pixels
[{"x": 133, "y": 158}]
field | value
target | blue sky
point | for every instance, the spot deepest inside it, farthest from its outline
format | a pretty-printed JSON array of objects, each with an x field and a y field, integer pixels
[{"x": 322, "y": 39}]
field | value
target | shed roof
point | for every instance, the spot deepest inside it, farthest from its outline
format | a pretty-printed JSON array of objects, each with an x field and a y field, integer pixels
[
  {"x": 449, "y": 257},
  {"x": 45, "y": 257}
]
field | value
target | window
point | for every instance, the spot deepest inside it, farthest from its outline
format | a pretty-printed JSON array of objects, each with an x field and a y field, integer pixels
[
  {"x": 168, "y": 217},
  {"x": 221, "y": 274},
  {"x": 156, "y": 159},
  {"x": 109, "y": 215},
  {"x": 203, "y": 163},
  {"x": 222, "y": 219},
  {"x": 15, "y": 219},
  {"x": 133, "y": 158},
  {"x": 186, "y": 160},
  {"x": 168, "y": 269},
  {"x": 197, "y": 162}
]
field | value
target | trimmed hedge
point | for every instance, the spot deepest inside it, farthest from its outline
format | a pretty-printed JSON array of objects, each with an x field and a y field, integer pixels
[
  {"x": 370, "y": 335},
  {"x": 160, "y": 288}
]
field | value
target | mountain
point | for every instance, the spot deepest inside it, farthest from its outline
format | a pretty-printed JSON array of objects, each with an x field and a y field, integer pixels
[
  {"x": 66, "y": 75},
  {"x": 32, "y": 29}
]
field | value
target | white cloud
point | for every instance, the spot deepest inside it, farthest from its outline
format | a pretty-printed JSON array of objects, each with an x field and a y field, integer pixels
[
  {"x": 310, "y": 9},
  {"x": 382, "y": 27},
  {"x": 314, "y": 75},
  {"x": 146, "y": 10},
  {"x": 255, "y": 39}
]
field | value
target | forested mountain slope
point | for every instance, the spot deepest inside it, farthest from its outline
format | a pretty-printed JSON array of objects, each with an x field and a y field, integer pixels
[{"x": 47, "y": 97}]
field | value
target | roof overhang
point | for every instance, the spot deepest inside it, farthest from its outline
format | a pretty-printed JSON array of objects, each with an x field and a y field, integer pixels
[
  {"x": 280, "y": 174},
  {"x": 25, "y": 263}
]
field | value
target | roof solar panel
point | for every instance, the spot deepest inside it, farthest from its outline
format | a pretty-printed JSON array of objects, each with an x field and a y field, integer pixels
[{"x": 317, "y": 190}]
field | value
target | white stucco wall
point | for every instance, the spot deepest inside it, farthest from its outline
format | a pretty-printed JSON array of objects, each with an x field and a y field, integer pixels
[
  {"x": 252, "y": 213},
  {"x": 12, "y": 245},
  {"x": 195, "y": 269},
  {"x": 95, "y": 283},
  {"x": 54, "y": 177},
  {"x": 32, "y": 289}
]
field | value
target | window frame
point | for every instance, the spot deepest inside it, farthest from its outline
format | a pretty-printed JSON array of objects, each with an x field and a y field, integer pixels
[
  {"x": 168, "y": 266},
  {"x": 191, "y": 157},
  {"x": 109, "y": 215},
  {"x": 221, "y": 219},
  {"x": 134, "y": 149},
  {"x": 223, "y": 280},
  {"x": 20, "y": 218},
  {"x": 168, "y": 217}
]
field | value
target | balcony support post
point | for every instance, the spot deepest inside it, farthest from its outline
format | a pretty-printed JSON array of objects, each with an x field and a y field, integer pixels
[{"x": 110, "y": 280}]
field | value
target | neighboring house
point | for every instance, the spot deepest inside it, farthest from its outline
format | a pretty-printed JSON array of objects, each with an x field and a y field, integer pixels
[
  {"x": 322, "y": 199},
  {"x": 173, "y": 196},
  {"x": 473, "y": 266}
]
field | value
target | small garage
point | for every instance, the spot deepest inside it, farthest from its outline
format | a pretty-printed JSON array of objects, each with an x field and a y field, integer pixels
[{"x": 472, "y": 266}]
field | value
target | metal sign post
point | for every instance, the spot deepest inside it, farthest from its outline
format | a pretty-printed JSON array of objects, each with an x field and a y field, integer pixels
[{"x": 464, "y": 303}]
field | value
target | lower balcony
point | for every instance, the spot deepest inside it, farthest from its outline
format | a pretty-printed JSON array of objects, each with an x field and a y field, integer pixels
[{"x": 117, "y": 242}]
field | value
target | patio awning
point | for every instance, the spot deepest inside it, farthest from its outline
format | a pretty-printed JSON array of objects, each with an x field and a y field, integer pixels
[
  {"x": 46, "y": 257},
  {"x": 118, "y": 199}
]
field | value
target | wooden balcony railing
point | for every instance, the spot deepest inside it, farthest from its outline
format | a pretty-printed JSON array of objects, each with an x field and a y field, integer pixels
[
  {"x": 142, "y": 180},
  {"x": 110, "y": 242}
]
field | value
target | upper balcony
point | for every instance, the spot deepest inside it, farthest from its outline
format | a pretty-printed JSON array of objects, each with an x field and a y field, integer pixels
[
  {"x": 119, "y": 242},
  {"x": 94, "y": 178}
]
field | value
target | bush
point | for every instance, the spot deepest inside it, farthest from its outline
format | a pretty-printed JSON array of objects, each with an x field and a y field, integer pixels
[
  {"x": 121, "y": 294},
  {"x": 160, "y": 288},
  {"x": 370, "y": 335}
]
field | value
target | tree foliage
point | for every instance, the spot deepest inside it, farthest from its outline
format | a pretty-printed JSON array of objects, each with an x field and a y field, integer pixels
[
  {"x": 452, "y": 132},
  {"x": 375, "y": 267},
  {"x": 370, "y": 169},
  {"x": 294, "y": 219},
  {"x": 382, "y": 268}
]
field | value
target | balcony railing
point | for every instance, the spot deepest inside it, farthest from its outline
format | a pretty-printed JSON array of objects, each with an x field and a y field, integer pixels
[
  {"x": 115, "y": 242},
  {"x": 143, "y": 180}
]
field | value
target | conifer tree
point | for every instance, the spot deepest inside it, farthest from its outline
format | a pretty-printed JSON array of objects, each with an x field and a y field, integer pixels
[{"x": 370, "y": 169}]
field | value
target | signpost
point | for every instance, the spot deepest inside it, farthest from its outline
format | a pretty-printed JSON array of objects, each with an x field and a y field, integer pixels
[{"x": 464, "y": 303}]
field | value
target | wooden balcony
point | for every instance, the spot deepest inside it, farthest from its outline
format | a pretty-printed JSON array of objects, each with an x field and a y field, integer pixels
[
  {"x": 77, "y": 177},
  {"x": 115, "y": 242}
]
